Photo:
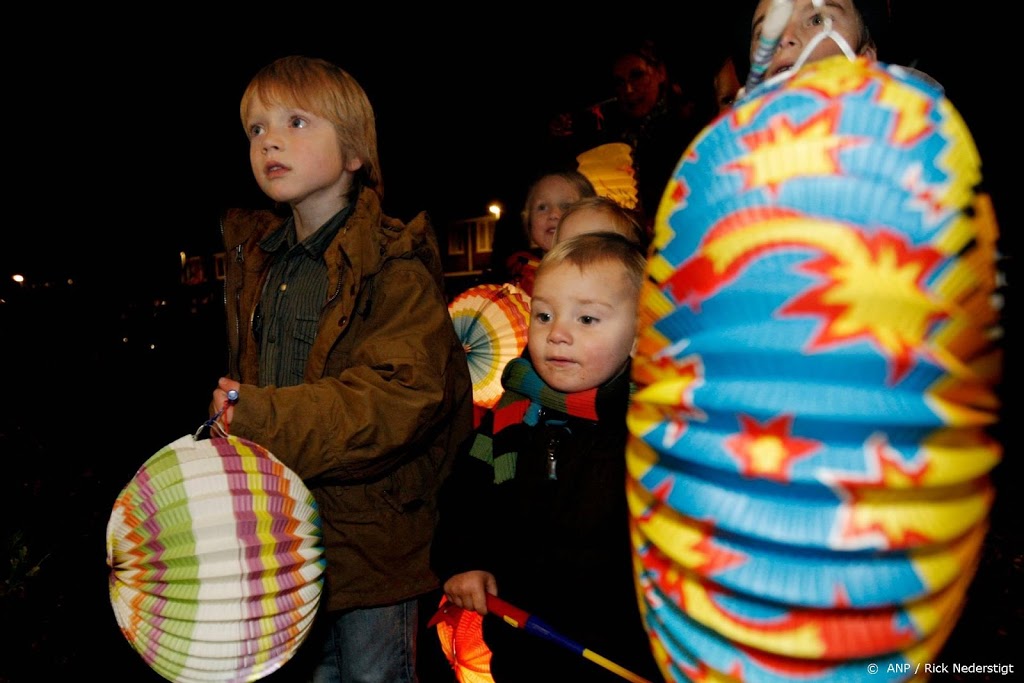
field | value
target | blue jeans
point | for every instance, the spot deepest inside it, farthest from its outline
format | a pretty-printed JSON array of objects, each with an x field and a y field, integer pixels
[{"x": 375, "y": 645}]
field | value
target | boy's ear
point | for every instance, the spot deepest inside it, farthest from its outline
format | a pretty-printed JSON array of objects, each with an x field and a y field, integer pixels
[
  {"x": 632, "y": 349},
  {"x": 869, "y": 51},
  {"x": 353, "y": 164}
]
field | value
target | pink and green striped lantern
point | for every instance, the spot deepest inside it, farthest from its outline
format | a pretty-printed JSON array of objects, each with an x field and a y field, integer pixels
[{"x": 216, "y": 559}]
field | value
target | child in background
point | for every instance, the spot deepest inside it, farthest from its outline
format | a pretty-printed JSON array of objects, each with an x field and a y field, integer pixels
[
  {"x": 345, "y": 360},
  {"x": 546, "y": 200},
  {"x": 600, "y": 214},
  {"x": 726, "y": 84},
  {"x": 853, "y": 28},
  {"x": 549, "y": 197},
  {"x": 807, "y": 21},
  {"x": 535, "y": 511}
]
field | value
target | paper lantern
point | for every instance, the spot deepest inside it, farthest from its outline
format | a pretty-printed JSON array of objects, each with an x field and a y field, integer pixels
[
  {"x": 492, "y": 321},
  {"x": 461, "y": 635},
  {"x": 609, "y": 168},
  {"x": 809, "y": 455},
  {"x": 216, "y": 561}
]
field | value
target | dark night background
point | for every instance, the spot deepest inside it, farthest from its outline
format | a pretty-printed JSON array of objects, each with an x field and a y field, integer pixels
[{"x": 123, "y": 145}]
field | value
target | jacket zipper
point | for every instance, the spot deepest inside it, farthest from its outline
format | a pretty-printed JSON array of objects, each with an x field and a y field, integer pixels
[{"x": 552, "y": 460}]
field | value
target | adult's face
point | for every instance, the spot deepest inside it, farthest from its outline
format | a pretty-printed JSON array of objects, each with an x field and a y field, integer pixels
[{"x": 638, "y": 85}]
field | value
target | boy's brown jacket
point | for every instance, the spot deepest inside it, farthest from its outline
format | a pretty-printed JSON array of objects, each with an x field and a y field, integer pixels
[{"x": 386, "y": 400}]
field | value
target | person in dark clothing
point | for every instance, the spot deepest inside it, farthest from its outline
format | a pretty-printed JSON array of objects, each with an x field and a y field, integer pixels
[
  {"x": 535, "y": 511},
  {"x": 650, "y": 112}
]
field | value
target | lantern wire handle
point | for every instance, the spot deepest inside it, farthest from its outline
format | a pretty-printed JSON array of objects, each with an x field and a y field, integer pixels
[{"x": 213, "y": 423}]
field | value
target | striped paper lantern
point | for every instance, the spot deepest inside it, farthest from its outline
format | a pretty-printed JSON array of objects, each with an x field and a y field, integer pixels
[
  {"x": 216, "y": 561},
  {"x": 492, "y": 321}
]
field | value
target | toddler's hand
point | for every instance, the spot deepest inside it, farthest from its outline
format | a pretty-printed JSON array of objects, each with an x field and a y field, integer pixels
[{"x": 469, "y": 590}]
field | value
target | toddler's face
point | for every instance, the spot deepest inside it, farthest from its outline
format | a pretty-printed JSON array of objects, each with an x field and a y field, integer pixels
[
  {"x": 582, "y": 324},
  {"x": 806, "y": 22},
  {"x": 549, "y": 200}
]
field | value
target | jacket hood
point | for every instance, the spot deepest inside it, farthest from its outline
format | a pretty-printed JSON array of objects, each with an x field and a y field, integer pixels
[{"x": 415, "y": 239}]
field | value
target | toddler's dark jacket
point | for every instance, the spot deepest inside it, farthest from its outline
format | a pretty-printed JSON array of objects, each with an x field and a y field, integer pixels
[{"x": 558, "y": 547}]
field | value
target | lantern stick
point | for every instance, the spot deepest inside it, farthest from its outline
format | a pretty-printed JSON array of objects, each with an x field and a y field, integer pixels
[
  {"x": 521, "y": 619},
  {"x": 775, "y": 21}
]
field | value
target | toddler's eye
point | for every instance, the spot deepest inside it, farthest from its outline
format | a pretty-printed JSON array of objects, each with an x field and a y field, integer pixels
[
  {"x": 298, "y": 122},
  {"x": 817, "y": 19},
  {"x": 543, "y": 317},
  {"x": 588, "y": 319},
  {"x": 255, "y": 130}
]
